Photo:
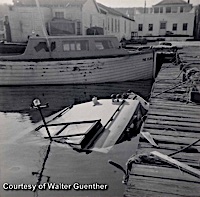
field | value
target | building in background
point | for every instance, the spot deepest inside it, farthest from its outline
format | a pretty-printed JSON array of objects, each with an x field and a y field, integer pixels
[
  {"x": 61, "y": 17},
  {"x": 197, "y": 23},
  {"x": 2, "y": 29},
  {"x": 168, "y": 17},
  {"x": 3, "y": 18},
  {"x": 116, "y": 23},
  {"x": 66, "y": 17}
]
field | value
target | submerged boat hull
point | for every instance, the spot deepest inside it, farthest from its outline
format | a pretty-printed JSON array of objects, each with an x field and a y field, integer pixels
[
  {"x": 83, "y": 71},
  {"x": 94, "y": 127}
]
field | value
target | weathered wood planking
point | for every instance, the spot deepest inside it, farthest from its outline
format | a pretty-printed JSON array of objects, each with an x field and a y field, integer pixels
[{"x": 174, "y": 123}]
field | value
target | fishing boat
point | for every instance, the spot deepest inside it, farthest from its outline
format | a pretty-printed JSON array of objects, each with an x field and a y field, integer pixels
[
  {"x": 75, "y": 60},
  {"x": 96, "y": 125}
]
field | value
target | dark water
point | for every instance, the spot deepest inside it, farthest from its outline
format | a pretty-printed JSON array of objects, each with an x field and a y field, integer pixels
[{"x": 26, "y": 158}]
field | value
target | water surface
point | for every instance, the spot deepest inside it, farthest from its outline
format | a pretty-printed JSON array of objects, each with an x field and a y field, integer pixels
[{"x": 28, "y": 159}]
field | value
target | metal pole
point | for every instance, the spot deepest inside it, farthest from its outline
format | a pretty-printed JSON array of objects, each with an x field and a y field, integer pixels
[{"x": 45, "y": 124}]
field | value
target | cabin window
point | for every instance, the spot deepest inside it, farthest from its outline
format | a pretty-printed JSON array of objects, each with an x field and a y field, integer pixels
[
  {"x": 103, "y": 44},
  {"x": 41, "y": 46},
  {"x": 99, "y": 45},
  {"x": 78, "y": 46},
  {"x": 81, "y": 45},
  {"x": 185, "y": 26},
  {"x": 161, "y": 9},
  {"x": 66, "y": 47},
  {"x": 72, "y": 46}
]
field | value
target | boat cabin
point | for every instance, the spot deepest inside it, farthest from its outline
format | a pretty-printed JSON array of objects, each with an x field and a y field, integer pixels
[{"x": 69, "y": 47}]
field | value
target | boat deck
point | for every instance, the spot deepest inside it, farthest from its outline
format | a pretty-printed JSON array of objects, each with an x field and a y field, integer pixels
[{"x": 173, "y": 122}]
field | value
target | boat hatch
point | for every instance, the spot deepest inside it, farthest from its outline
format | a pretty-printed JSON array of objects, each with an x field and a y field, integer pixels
[{"x": 74, "y": 133}]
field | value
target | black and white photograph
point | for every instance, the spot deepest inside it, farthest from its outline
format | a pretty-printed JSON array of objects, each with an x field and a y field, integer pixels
[{"x": 100, "y": 98}]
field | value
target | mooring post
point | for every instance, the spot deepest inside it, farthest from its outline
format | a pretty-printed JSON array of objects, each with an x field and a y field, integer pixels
[{"x": 37, "y": 105}]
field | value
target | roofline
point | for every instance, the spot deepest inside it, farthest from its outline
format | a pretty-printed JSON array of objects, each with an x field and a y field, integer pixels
[
  {"x": 160, "y": 3},
  {"x": 96, "y": 5},
  {"x": 117, "y": 12}
]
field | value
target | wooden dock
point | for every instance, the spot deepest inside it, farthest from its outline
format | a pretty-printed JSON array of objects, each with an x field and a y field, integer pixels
[{"x": 174, "y": 122}]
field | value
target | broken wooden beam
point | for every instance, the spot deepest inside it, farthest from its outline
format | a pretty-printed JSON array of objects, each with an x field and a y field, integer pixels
[{"x": 176, "y": 163}]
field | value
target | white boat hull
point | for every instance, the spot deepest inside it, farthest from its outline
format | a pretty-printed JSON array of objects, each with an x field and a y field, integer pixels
[{"x": 130, "y": 67}]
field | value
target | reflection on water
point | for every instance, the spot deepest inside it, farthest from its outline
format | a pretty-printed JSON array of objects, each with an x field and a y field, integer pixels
[
  {"x": 19, "y": 99},
  {"x": 26, "y": 158}
]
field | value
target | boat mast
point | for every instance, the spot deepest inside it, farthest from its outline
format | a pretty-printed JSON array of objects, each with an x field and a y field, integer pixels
[
  {"x": 43, "y": 26},
  {"x": 143, "y": 29}
]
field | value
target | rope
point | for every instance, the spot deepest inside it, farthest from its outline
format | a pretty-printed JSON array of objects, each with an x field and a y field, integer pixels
[
  {"x": 184, "y": 148},
  {"x": 177, "y": 85}
]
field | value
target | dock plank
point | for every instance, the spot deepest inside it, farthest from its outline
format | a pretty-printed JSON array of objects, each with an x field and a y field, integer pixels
[
  {"x": 167, "y": 186},
  {"x": 174, "y": 123}
]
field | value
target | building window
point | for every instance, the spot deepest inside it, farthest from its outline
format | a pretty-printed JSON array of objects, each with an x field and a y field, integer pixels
[
  {"x": 161, "y": 9},
  {"x": 140, "y": 27},
  {"x": 118, "y": 25},
  {"x": 168, "y": 9},
  {"x": 1, "y": 26},
  {"x": 181, "y": 9},
  {"x": 90, "y": 20},
  {"x": 174, "y": 9},
  {"x": 115, "y": 25},
  {"x": 163, "y": 25},
  {"x": 174, "y": 27},
  {"x": 59, "y": 14},
  {"x": 124, "y": 26},
  {"x": 185, "y": 26},
  {"x": 108, "y": 25},
  {"x": 150, "y": 27},
  {"x": 112, "y": 25},
  {"x": 78, "y": 28},
  {"x": 156, "y": 10}
]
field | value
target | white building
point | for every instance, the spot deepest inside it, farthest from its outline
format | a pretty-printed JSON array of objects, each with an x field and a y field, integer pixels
[
  {"x": 58, "y": 17},
  {"x": 169, "y": 17},
  {"x": 116, "y": 23},
  {"x": 2, "y": 29},
  {"x": 65, "y": 17},
  {"x": 3, "y": 14}
]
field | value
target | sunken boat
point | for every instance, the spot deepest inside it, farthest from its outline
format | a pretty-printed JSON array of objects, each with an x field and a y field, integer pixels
[{"x": 96, "y": 125}]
